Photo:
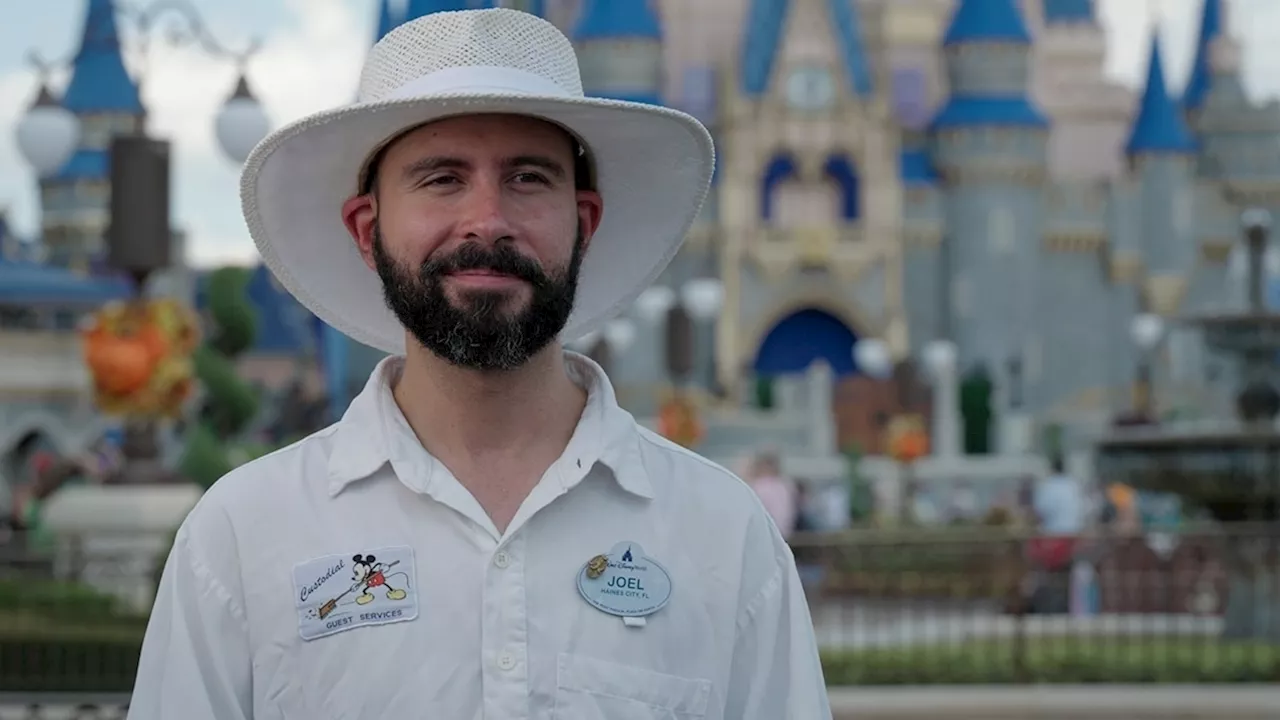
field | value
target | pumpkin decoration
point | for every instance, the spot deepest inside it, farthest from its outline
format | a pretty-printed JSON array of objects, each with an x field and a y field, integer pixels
[
  {"x": 678, "y": 421},
  {"x": 139, "y": 357},
  {"x": 908, "y": 439}
]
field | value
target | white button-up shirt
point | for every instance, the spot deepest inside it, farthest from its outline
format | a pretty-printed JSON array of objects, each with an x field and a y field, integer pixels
[{"x": 270, "y": 607}]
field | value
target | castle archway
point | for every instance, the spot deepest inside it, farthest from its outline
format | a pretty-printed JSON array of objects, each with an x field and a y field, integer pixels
[{"x": 802, "y": 337}]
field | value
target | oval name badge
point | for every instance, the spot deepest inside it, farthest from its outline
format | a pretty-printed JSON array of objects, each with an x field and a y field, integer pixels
[{"x": 628, "y": 583}]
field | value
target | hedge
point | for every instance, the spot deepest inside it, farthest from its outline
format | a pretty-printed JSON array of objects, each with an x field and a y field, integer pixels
[
  {"x": 1057, "y": 660},
  {"x": 38, "y": 658}
]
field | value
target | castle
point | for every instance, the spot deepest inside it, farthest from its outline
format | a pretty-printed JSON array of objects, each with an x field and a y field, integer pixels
[
  {"x": 906, "y": 170},
  {"x": 917, "y": 170}
]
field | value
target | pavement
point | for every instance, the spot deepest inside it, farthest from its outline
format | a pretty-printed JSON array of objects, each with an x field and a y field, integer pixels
[{"x": 1085, "y": 702}]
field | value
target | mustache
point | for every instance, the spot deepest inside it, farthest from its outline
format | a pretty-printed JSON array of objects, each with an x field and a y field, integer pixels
[{"x": 501, "y": 259}]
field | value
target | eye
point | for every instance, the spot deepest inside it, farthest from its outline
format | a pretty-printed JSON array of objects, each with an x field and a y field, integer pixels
[
  {"x": 528, "y": 177},
  {"x": 440, "y": 181}
]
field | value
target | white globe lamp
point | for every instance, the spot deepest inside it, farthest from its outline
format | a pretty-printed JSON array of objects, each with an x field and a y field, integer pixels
[
  {"x": 873, "y": 357},
  {"x": 47, "y": 135},
  {"x": 620, "y": 334},
  {"x": 1146, "y": 330},
  {"x": 241, "y": 124},
  {"x": 654, "y": 303},
  {"x": 940, "y": 357},
  {"x": 1255, "y": 219},
  {"x": 703, "y": 298}
]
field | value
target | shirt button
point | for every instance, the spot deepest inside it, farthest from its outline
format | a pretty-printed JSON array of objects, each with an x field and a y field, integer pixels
[
  {"x": 506, "y": 661},
  {"x": 502, "y": 560}
]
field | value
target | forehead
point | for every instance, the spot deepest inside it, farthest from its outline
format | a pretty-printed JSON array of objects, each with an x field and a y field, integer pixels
[{"x": 498, "y": 134}]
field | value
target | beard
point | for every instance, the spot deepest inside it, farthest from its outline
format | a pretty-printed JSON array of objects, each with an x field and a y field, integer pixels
[{"x": 480, "y": 331}]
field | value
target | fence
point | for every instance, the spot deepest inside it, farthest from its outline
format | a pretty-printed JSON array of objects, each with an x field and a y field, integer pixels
[
  {"x": 977, "y": 606},
  {"x": 925, "y": 606}
]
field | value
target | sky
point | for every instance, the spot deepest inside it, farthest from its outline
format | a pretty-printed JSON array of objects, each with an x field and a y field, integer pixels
[{"x": 310, "y": 61}]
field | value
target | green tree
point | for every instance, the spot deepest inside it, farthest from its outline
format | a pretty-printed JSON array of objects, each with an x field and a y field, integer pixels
[{"x": 230, "y": 402}]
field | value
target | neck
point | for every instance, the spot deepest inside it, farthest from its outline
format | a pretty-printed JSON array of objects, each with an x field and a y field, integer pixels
[{"x": 458, "y": 413}]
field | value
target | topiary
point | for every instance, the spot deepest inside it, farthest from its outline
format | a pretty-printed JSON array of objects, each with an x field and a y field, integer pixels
[{"x": 230, "y": 402}]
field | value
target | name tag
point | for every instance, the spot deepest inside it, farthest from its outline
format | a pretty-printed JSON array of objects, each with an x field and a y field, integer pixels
[{"x": 342, "y": 592}]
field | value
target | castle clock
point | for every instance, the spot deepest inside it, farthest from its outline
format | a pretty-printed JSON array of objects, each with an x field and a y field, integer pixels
[{"x": 810, "y": 88}]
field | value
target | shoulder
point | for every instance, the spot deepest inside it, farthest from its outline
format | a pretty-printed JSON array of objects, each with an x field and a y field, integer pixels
[
  {"x": 677, "y": 471},
  {"x": 272, "y": 483},
  {"x": 714, "y": 510}
]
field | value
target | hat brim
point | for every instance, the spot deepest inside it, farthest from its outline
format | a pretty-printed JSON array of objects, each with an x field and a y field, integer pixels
[{"x": 653, "y": 170}]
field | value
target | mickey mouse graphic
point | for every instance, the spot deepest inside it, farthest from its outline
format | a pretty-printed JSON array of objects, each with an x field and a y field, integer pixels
[{"x": 368, "y": 574}]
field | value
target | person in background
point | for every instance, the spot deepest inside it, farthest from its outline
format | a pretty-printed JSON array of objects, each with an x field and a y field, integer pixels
[
  {"x": 777, "y": 492},
  {"x": 1060, "y": 506}
]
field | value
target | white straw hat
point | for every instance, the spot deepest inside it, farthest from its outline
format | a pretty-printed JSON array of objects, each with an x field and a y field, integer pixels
[{"x": 652, "y": 165}]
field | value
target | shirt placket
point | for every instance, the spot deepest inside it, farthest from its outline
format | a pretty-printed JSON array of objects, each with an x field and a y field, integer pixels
[{"x": 505, "y": 632}]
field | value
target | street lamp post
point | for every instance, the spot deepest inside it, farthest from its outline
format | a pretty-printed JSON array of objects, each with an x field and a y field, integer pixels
[
  {"x": 701, "y": 300},
  {"x": 1146, "y": 329},
  {"x": 940, "y": 357},
  {"x": 139, "y": 237},
  {"x": 1258, "y": 402},
  {"x": 47, "y": 135}
]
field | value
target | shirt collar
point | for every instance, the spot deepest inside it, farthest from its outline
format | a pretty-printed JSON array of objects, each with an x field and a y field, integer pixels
[{"x": 373, "y": 432}]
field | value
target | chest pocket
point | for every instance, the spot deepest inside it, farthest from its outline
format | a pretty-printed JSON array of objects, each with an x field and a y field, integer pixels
[{"x": 590, "y": 689}]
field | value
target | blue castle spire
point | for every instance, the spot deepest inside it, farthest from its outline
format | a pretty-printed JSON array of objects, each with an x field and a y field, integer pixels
[
  {"x": 1068, "y": 11},
  {"x": 983, "y": 91},
  {"x": 420, "y": 8},
  {"x": 620, "y": 50},
  {"x": 388, "y": 20},
  {"x": 99, "y": 81},
  {"x": 1159, "y": 126},
  {"x": 616, "y": 20},
  {"x": 986, "y": 21},
  {"x": 1201, "y": 71},
  {"x": 765, "y": 22}
]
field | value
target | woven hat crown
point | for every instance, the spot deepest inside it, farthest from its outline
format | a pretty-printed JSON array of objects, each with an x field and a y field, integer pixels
[{"x": 469, "y": 38}]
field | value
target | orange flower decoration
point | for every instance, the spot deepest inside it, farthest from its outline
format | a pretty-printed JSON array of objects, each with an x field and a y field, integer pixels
[{"x": 139, "y": 357}]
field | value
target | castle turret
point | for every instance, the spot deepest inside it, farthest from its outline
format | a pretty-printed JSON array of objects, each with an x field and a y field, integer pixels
[
  {"x": 1237, "y": 135},
  {"x": 1090, "y": 113},
  {"x": 1161, "y": 150},
  {"x": 990, "y": 146},
  {"x": 1212, "y": 27},
  {"x": 106, "y": 100},
  {"x": 619, "y": 44}
]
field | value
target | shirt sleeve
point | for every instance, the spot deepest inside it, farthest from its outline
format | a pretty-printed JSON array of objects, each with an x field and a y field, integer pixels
[
  {"x": 195, "y": 662},
  {"x": 776, "y": 673}
]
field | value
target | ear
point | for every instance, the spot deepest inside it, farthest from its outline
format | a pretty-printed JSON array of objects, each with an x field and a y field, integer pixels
[
  {"x": 360, "y": 215},
  {"x": 590, "y": 212}
]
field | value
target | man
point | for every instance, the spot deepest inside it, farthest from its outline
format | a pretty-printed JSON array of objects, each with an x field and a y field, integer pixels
[{"x": 485, "y": 533}]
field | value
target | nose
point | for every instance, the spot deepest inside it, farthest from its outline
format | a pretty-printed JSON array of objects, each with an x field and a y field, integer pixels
[{"x": 483, "y": 213}]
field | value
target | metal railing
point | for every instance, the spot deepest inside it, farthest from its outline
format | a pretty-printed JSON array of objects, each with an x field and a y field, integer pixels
[
  {"x": 913, "y": 606},
  {"x": 948, "y": 606}
]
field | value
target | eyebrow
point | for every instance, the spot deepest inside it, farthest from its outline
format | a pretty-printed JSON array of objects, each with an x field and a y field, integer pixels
[{"x": 427, "y": 165}]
